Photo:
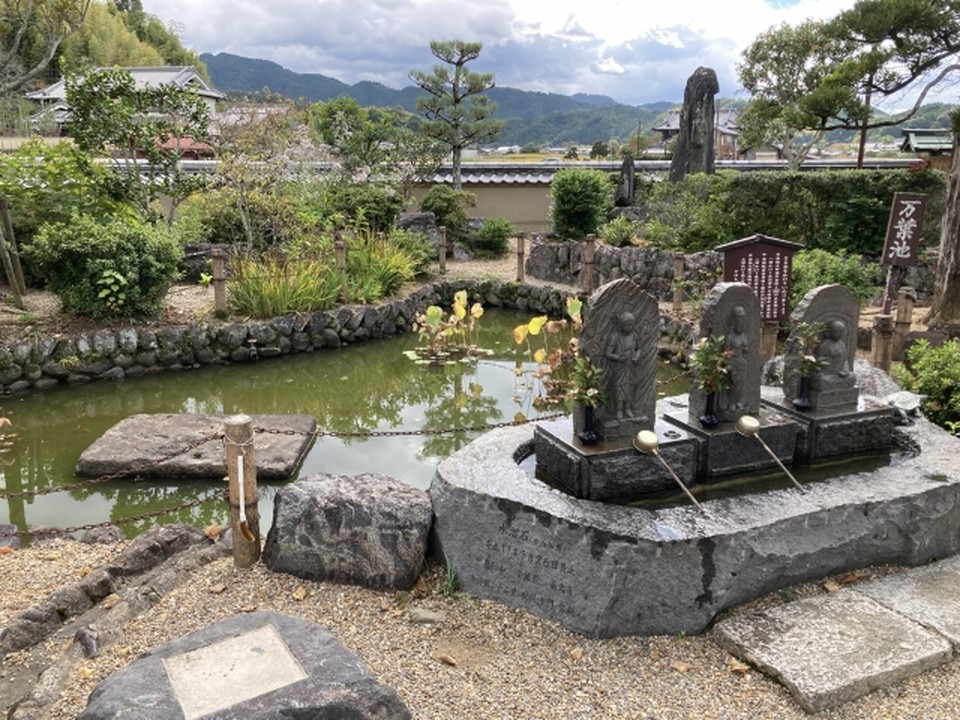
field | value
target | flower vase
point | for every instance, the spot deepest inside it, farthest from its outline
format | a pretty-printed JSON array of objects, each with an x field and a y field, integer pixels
[
  {"x": 588, "y": 433},
  {"x": 802, "y": 400},
  {"x": 709, "y": 418}
]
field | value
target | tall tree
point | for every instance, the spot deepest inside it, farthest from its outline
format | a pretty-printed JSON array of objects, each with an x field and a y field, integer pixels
[
  {"x": 111, "y": 116},
  {"x": 455, "y": 106},
  {"x": 945, "y": 307},
  {"x": 30, "y": 35}
]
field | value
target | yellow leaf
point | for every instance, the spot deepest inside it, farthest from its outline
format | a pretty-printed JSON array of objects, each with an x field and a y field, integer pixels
[
  {"x": 540, "y": 356},
  {"x": 460, "y": 298},
  {"x": 520, "y": 333},
  {"x": 574, "y": 307},
  {"x": 460, "y": 311},
  {"x": 536, "y": 325},
  {"x": 477, "y": 310}
]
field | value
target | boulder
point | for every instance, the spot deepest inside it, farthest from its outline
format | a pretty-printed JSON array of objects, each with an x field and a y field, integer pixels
[{"x": 369, "y": 530}]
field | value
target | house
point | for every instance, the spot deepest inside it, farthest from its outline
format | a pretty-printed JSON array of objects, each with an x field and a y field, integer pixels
[
  {"x": 53, "y": 99},
  {"x": 726, "y": 131}
]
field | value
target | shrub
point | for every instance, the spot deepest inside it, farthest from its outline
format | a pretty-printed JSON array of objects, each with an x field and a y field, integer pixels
[
  {"x": 367, "y": 205},
  {"x": 579, "y": 200},
  {"x": 273, "y": 286},
  {"x": 118, "y": 269},
  {"x": 449, "y": 207},
  {"x": 376, "y": 267},
  {"x": 619, "y": 232},
  {"x": 935, "y": 373},
  {"x": 812, "y": 268},
  {"x": 491, "y": 239},
  {"x": 688, "y": 215}
]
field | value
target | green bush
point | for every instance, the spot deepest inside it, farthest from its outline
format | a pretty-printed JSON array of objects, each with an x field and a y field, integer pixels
[
  {"x": 117, "y": 269},
  {"x": 367, "y": 205},
  {"x": 689, "y": 215},
  {"x": 935, "y": 374},
  {"x": 812, "y": 268},
  {"x": 272, "y": 286},
  {"x": 449, "y": 207},
  {"x": 491, "y": 239},
  {"x": 376, "y": 268},
  {"x": 619, "y": 232},
  {"x": 579, "y": 200}
]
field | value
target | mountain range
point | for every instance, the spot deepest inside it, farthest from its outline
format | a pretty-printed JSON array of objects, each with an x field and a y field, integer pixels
[{"x": 530, "y": 117}]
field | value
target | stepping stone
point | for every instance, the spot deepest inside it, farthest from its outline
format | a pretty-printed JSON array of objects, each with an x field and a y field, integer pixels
[
  {"x": 929, "y": 595},
  {"x": 833, "y": 648},
  {"x": 257, "y": 666},
  {"x": 147, "y": 442}
]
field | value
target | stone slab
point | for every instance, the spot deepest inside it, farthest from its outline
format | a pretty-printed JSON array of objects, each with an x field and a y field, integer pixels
[
  {"x": 147, "y": 441},
  {"x": 725, "y": 452},
  {"x": 831, "y": 649},
  {"x": 612, "y": 470},
  {"x": 257, "y": 666},
  {"x": 930, "y": 595}
]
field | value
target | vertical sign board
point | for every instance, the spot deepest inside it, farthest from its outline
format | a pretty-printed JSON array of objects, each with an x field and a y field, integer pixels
[
  {"x": 766, "y": 265},
  {"x": 903, "y": 228}
]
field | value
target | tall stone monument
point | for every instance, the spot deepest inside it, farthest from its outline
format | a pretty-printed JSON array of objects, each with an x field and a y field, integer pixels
[
  {"x": 694, "y": 151},
  {"x": 620, "y": 332}
]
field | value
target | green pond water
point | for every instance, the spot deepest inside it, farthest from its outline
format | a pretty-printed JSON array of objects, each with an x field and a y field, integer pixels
[{"x": 364, "y": 388}]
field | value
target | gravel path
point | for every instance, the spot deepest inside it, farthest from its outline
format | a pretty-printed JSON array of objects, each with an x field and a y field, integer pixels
[{"x": 482, "y": 661}]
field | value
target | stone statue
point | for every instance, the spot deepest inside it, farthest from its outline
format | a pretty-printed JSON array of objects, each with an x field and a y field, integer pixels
[
  {"x": 694, "y": 150},
  {"x": 622, "y": 371},
  {"x": 626, "y": 187},
  {"x": 620, "y": 332},
  {"x": 833, "y": 385},
  {"x": 732, "y": 310}
]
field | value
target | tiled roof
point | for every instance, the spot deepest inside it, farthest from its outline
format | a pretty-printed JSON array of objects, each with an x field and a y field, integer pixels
[{"x": 178, "y": 75}]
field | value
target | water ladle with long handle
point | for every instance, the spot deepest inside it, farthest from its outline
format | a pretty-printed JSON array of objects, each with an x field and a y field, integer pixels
[
  {"x": 749, "y": 426},
  {"x": 647, "y": 442}
]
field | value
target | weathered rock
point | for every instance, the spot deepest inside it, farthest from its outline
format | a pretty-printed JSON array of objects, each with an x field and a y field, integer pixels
[
  {"x": 159, "y": 445},
  {"x": 694, "y": 150},
  {"x": 280, "y": 667},
  {"x": 368, "y": 530}
]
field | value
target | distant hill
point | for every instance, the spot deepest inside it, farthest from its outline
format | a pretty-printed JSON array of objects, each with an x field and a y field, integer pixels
[{"x": 531, "y": 117}]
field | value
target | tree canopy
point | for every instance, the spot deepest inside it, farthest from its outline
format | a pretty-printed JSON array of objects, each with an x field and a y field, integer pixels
[
  {"x": 31, "y": 32},
  {"x": 455, "y": 106}
]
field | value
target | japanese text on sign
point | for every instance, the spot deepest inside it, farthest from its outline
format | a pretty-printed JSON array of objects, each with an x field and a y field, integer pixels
[
  {"x": 768, "y": 273},
  {"x": 903, "y": 229}
]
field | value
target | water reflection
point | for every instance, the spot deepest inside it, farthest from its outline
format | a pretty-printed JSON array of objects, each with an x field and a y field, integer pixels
[{"x": 366, "y": 388}]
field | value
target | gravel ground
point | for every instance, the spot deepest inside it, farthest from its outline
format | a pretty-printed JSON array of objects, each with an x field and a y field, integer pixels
[{"x": 483, "y": 661}]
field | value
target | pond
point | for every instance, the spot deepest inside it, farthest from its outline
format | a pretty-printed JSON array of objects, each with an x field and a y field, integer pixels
[{"x": 359, "y": 391}]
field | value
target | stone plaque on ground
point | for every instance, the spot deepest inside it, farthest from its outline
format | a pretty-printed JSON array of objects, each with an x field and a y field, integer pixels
[
  {"x": 163, "y": 446},
  {"x": 620, "y": 332},
  {"x": 257, "y": 666}
]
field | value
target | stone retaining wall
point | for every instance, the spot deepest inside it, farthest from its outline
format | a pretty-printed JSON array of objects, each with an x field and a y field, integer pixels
[{"x": 113, "y": 354}]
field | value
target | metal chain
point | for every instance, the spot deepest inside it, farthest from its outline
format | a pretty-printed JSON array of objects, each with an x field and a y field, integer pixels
[{"x": 408, "y": 433}]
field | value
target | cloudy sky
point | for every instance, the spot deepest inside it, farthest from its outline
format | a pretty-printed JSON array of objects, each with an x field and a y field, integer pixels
[{"x": 632, "y": 51}]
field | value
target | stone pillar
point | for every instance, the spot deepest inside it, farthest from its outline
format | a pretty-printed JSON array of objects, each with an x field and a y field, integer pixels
[
  {"x": 589, "y": 252},
  {"x": 521, "y": 241},
  {"x": 678, "y": 293},
  {"x": 694, "y": 150},
  {"x": 219, "y": 282},
  {"x": 905, "y": 300}
]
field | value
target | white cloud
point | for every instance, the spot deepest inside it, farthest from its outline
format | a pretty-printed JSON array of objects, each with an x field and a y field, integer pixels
[{"x": 614, "y": 47}]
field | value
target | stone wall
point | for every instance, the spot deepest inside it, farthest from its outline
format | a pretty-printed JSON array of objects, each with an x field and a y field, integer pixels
[{"x": 129, "y": 351}]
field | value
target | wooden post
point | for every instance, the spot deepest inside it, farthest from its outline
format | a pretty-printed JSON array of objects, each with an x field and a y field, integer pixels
[
  {"x": 219, "y": 282},
  {"x": 768, "y": 339},
  {"x": 678, "y": 293},
  {"x": 521, "y": 241},
  {"x": 242, "y": 476},
  {"x": 442, "y": 249},
  {"x": 340, "y": 252},
  {"x": 883, "y": 341},
  {"x": 589, "y": 253},
  {"x": 905, "y": 299}
]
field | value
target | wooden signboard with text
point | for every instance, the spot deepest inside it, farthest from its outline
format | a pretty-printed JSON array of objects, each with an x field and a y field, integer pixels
[
  {"x": 765, "y": 264},
  {"x": 904, "y": 228}
]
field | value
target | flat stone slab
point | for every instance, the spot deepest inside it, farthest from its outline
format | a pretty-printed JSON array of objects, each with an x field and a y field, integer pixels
[
  {"x": 930, "y": 595},
  {"x": 834, "y": 648},
  {"x": 162, "y": 446},
  {"x": 258, "y": 666}
]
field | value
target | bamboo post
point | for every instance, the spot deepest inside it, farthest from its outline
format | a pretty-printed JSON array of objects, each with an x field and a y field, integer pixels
[
  {"x": 679, "y": 260},
  {"x": 589, "y": 253},
  {"x": 521, "y": 241},
  {"x": 242, "y": 478},
  {"x": 883, "y": 341},
  {"x": 442, "y": 249},
  {"x": 905, "y": 299},
  {"x": 219, "y": 282}
]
